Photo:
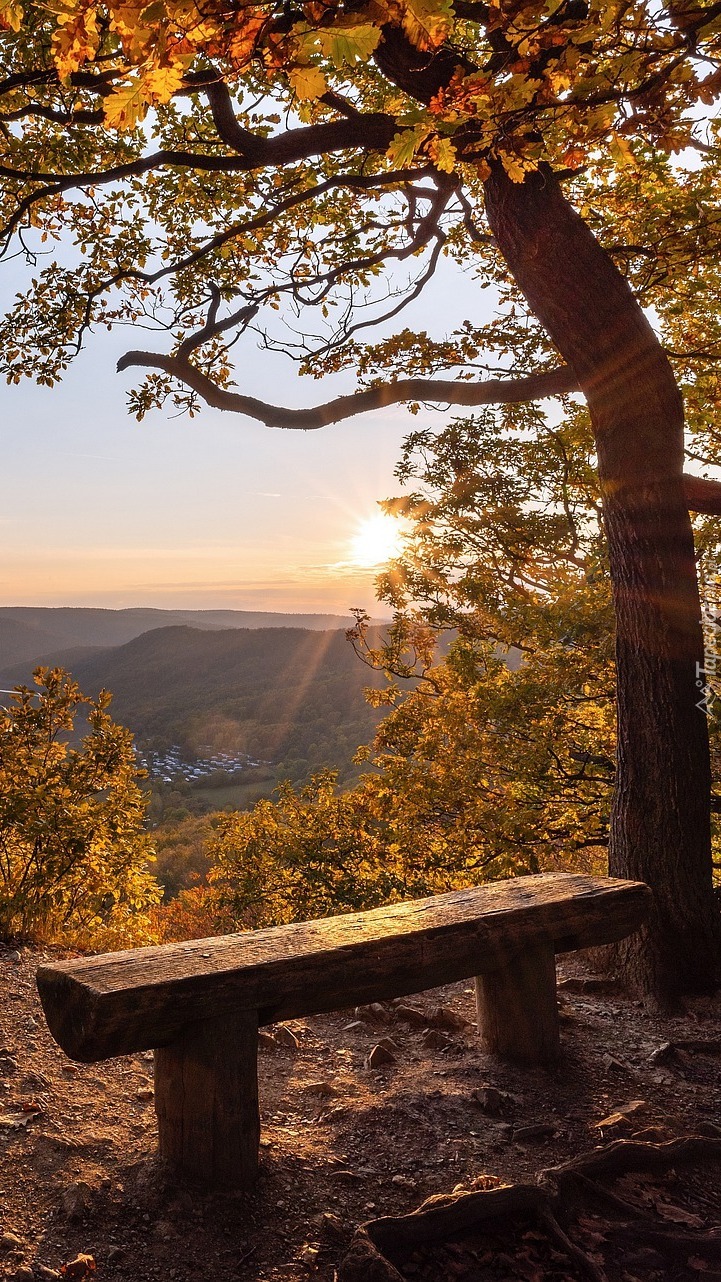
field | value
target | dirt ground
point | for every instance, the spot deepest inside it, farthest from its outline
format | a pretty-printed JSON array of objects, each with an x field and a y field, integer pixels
[{"x": 342, "y": 1142}]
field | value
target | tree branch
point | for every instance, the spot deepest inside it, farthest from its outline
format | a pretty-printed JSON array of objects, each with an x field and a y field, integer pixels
[
  {"x": 702, "y": 495},
  {"x": 494, "y": 391}
]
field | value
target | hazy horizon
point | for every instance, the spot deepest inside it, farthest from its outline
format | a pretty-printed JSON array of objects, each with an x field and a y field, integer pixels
[{"x": 215, "y": 512}]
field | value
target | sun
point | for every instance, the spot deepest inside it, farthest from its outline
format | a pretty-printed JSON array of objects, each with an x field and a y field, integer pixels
[{"x": 377, "y": 540}]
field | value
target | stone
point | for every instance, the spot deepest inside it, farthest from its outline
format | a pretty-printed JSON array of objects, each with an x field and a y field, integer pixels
[
  {"x": 611, "y": 1064},
  {"x": 435, "y": 1040},
  {"x": 380, "y": 1056},
  {"x": 535, "y": 1131},
  {"x": 663, "y": 1054},
  {"x": 375, "y": 1013},
  {"x": 35, "y": 1082},
  {"x": 42, "y": 1271},
  {"x": 403, "y": 1182},
  {"x": 322, "y": 1089},
  {"x": 145, "y": 1094},
  {"x": 332, "y": 1224},
  {"x": 652, "y": 1135},
  {"x": 77, "y": 1200},
  {"x": 620, "y": 1116},
  {"x": 24, "y": 1274},
  {"x": 308, "y": 1254},
  {"x": 81, "y": 1267},
  {"x": 285, "y": 1037},
  {"x": 411, "y": 1015},
  {"x": 446, "y": 1017},
  {"x": 10, "y": 1242},
  {"x": 266, "y": 1040},
  {"x": 494, "y": 1102},
  {"x": 710, "y": 1129}
]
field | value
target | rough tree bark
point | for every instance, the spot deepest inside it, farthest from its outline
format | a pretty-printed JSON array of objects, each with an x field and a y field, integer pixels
[{"x": 660, "y": 830}]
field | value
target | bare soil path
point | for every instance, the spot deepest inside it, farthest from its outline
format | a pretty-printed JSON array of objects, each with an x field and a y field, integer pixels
[{"x": 342, "y": 1142}]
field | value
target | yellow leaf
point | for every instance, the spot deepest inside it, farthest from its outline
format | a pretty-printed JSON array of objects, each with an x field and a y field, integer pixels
[
  {"x": 307, "y": 82},
  {"x": 513, "y": 167},
  {"x": 620, "y": 150},
  {"x": 11, "y": 16},
  {"x": 443, "y": 154},
  {"x": 126, "y": 107},
  {"x": 160, "y": 84},
  {"x": 427, "y": 23}
]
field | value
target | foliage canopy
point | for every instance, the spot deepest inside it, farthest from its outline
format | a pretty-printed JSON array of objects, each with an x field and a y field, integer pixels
[
  {"x": 201, "y": 166},
  {"x": 73, "y": 851}
]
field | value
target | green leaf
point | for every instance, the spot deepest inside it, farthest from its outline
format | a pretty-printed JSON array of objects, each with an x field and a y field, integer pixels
[
  {"x": 405, "y": 144},
  {"x": 346, "y": 46}
]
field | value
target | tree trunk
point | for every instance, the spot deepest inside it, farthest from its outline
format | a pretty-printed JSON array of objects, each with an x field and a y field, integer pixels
[{"x": 660, "y": 827}]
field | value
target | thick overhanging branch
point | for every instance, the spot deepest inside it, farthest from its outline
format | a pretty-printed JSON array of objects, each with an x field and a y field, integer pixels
[
  {"x": 702, "y": 495},
  {"x": 371, "y": 132},
  {"x": 493, "y": 391}
]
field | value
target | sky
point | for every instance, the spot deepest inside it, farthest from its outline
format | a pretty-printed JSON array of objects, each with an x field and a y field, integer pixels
[{"x": 205, "y": 513}]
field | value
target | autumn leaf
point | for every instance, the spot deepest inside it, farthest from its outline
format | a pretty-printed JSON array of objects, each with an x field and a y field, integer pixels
[
  {"x": 350, "y": 45},
  {"x": 443, "y": 154},
  {"x": 75, "y": 40},
  {"x": 307, "y": 83},
  {"x": 620, "y": 149},
  {"x": 245, "y": 38},
  {"x": 11, "y": 16},
  {"x": 405, "y": 144},
  {"x": 678, "y": 1215},
  {"x": 427, "y": 22},
  {"x": 513, "y": 166},
  {"x": 160, "y": 84},
  {"x": 126, "y": 107}
]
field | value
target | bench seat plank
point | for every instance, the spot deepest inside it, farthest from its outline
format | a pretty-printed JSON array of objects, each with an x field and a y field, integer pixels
[{"x": 119, "y": 1003}]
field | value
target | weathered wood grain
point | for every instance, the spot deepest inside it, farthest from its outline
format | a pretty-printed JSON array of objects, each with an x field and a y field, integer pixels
[
  {"x": 118, "y": 1003},
  {"x": 206, "y": 1099},
  {"x": 517, "y": 1009}
]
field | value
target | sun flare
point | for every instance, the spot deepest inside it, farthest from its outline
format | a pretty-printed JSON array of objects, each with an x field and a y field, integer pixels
[{"x": 377, "y": 539}]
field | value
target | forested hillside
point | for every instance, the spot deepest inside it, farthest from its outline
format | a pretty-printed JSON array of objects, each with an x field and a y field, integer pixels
[
  {"x": 290, "y": 696},
  {"x": 32, "y": 633}
]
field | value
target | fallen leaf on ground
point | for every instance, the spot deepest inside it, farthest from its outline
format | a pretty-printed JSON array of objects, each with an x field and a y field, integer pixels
[
  {"x": 678, "y": 1215},
  {"x": 15, "y": 1120}
]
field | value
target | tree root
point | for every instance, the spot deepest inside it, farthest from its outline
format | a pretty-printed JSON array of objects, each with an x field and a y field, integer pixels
[{"x": 379, "y": 1247}]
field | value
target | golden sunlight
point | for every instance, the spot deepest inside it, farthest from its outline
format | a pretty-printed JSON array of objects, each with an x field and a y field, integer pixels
[{"x": 377, "y": 539}]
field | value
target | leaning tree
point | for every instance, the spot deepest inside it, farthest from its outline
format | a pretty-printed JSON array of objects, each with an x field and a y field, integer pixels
[{"x": 216, "y": 169}]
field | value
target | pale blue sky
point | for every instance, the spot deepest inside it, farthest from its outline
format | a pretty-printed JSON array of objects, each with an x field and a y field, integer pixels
[{"x": 215, "y": 511}]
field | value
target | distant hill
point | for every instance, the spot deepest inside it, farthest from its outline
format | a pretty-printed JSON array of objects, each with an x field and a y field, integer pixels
[
  {"x": 287, "y": 695},
  {"x": 32, "y": 633}
]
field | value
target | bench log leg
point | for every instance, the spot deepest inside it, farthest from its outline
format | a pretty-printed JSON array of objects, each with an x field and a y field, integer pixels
[
  {"x": 206, "y": 1099},
  {"x": 517, "y": 1011}
]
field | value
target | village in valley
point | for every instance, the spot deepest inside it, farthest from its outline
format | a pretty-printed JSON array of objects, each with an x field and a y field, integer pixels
[{"x": 173, "y": 763}]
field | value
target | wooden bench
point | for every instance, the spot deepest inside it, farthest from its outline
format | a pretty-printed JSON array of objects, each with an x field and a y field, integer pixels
[{"x": 198, "y": 1005}]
